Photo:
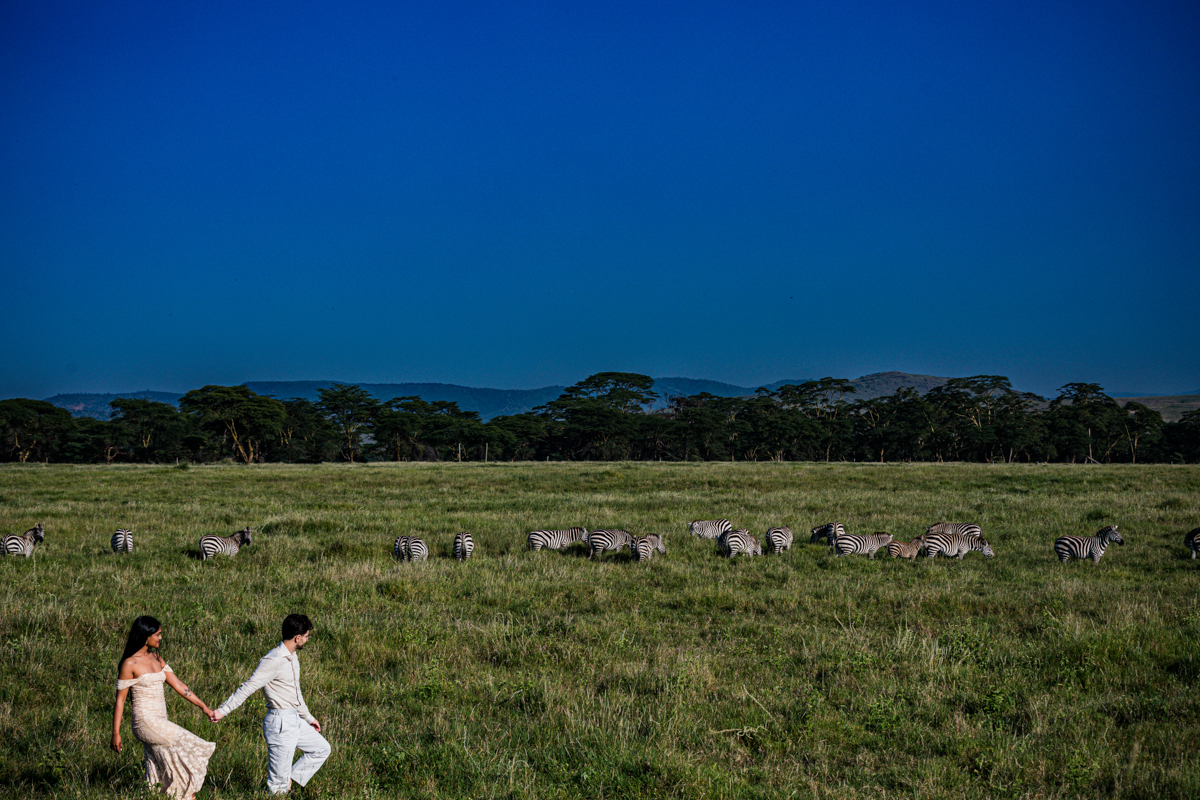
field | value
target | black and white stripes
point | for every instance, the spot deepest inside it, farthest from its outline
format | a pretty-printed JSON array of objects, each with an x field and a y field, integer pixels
[
  {"x": 738, "y": 542},
  {"x": 777, "y": 540},
  {"x": 212, "y": 545},
  {"x": 867, "y": 543},
  {"x": 955, "y": 545},
  {"x": 122, "y": 541},
  {"x": 555, "y": 540},
  {"x": 830, "y": 531},
  {"x": 709, "y": 528},
  {"x": 22, "y": 544},
  {"x": 464, "y": 545},
  {"x": 1068, "y": 547},
  {"x": 606, "y": 539},
  {"x": 643, "y": 547},
  {"x": 410, "y": 548}
]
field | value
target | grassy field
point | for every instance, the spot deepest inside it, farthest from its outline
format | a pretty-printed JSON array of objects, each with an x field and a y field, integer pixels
[{"x": 546, "y": 675}]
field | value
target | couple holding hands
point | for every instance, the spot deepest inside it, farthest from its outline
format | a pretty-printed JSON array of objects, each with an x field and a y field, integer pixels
[{"x": 178, "y": 759}]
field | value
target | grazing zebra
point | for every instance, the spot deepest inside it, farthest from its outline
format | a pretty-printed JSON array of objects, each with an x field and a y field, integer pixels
[
  {"x": 909, "y": 550},
  {"x": 122, "y": 541},
  {"x": 778, "y": 539},
  {"x": 400, "y": 548},
  {"x": 709, "y": 528},
  {"x": 829, "y": 532},
  {"x": 23, "y": 544},
  {"x": 740, "y": 541},
  {"x": 212, "y": 544},
  {"x": 607, "y": 539},
  {"x": 956, "y": 545},
  {"x": 1086, "y": 546},
  {"x": 1192, "y": 541},
  {"x": 556, "y": 540},
  {"x": 867, "y": 543},
  {"x": 415, "y": 549},
  {"x": 965, "y": 528},
  {"x": 643, "y": 547},
  {"x": 464, "y": 544}
]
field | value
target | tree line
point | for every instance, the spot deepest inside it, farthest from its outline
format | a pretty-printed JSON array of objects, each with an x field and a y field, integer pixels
[{"x": 607, "y": 417}]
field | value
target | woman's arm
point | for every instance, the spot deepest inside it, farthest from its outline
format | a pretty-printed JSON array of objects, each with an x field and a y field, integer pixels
[
  {"x": 186, "y": 693},
  {"x": 118, "y": 710}
]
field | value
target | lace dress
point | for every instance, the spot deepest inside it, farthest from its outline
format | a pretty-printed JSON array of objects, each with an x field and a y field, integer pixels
[{"x": 175, "y": 757}]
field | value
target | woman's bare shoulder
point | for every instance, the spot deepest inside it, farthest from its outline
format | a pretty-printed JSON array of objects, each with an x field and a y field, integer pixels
[{"x": 137, "y": 666}]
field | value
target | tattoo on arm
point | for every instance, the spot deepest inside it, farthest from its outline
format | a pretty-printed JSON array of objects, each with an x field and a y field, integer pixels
[{"x": 187, "y": 692}]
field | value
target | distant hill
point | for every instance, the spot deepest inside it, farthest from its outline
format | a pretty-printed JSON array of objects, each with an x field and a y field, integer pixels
[
  {"x": 1171, "y": 407},
  {"x": 96, "y": 405},
  {"x": 488, "y": 403}
]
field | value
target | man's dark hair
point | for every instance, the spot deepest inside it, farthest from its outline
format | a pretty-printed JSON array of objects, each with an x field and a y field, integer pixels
[{"x": 294, "y": 625}]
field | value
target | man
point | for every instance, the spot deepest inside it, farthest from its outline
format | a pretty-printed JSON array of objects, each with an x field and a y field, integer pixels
[{"x": 288, "y": 724}]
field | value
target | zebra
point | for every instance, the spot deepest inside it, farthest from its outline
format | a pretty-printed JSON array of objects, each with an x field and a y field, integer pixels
[
  {"x": 861, "y": 543},
  {"x": 1087, "y": 546},
  {"x": 955, "y": 544},
  {"x": 1192, "y": 541},
  {"x": 829, "y": 532},
  {"x": 909, "y": 550},
  {"x": 709, "y": 528},
  {"x": 965, "y": 528},
  {"x": 415, "y": 549},
  {"x": 643, "y": 547},
  {"x": 607, "y": 539},
  {"x": 740, "y": 541},
  {"x": 23, "y": 544},
  {"x": 556, "y": 540},
  {"x": 400, "y": 548},
  {"x": 122, "y": 541},
  {"x": 464, "y": 544},
  {"x": 212, "y": 544},
  {"x": 778, "y": 539}
]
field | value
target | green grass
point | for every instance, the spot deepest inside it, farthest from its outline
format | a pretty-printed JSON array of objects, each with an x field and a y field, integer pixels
[{"x": 545, "y": 675}]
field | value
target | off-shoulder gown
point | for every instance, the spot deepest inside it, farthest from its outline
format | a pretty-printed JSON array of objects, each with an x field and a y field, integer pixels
[{"x": 175, "y": 757}]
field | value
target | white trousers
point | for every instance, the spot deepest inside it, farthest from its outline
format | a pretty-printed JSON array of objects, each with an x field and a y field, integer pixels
[{"x": 285, "y": 732}]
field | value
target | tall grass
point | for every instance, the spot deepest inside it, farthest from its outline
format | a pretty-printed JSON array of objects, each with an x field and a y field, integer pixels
[{"x": 547, "y": 675}]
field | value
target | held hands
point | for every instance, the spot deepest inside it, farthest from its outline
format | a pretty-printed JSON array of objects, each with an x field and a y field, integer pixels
[{"x": 215, "y": 716}]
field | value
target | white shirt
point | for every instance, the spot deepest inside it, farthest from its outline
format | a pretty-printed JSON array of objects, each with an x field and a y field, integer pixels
[{"x": 278, "y": 675}]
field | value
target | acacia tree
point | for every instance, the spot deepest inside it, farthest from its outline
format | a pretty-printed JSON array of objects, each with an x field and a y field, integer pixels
[
  {"x": 33, "y": 427},
  {"x": 153, "y": 430},
  {"x": 350, "y": 409},
  {"x": 823, "y": 402},
  {"x": 595, "y": 416},
  {"x": 243, "y": 419}
]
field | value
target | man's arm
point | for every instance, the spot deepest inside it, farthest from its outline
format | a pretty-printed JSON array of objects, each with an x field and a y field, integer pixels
[{"x": 263, "y": 673}]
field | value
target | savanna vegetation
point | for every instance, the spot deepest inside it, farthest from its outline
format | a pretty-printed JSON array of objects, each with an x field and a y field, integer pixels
[
  {"x": 522, "y": 675},
  {"x": 606, "y": 418}
]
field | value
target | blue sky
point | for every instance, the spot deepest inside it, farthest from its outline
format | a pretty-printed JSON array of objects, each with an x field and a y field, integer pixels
[{"x": 517, "y": 194}]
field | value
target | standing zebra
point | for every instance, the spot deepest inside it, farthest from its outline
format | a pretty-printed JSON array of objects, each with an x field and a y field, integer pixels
[
  {"x": 740, "y": 541},
  {"x": 122, "y": 541},
  {"x": 607, "y": 539},
  {"x": 643, "y": 547},
  {"x": 909, "y": 550},
  {"x": 410, "y": 548},
  {"x": 709, "y": 528},
  {"x": 464, "y": 544},
  {"x": 212, "y": 544},
  {"x": 965, "y": 528},
  {"x": 1086, "y": 546},
  {"x": 778, "y": 539},
  {"x": 867, "y": 543},
  {"x": 23, "y": 544},
  {"x": 400, "y": 548},
  {"x": 956, "y": 545},
  {"x": 829, "y": 532},
  {"x": 556, "y": 540},
  {"x": 1192, "y": 541}
]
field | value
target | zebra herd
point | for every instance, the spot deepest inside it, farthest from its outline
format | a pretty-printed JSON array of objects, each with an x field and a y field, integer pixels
[{"x": 948, "y": 539}]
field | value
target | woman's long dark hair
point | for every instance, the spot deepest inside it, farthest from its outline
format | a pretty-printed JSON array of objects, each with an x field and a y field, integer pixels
[{"x": 143, "y": 628}]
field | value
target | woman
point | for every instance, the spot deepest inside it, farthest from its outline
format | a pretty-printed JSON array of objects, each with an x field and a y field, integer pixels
[{"x": 175, "y": 757}]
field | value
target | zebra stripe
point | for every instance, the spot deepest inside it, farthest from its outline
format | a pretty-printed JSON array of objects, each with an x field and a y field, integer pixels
[
  {"x": 22, "y": 544},
  {"x": 464, "y": 545},
  {"x": 417, "y": 549},
  {"x": 607, "y": 539},
  {"x": 643, "y": 547},
  {"x": 212, "y": 544},
  {"x": 740, "y": 541},
  {"x": 1192, "y": 541},
  {"x": 778, "y": 539},
  {"x": 556, "y": 540},
  {"x": 122, "y": 541},
  {"x": 829, "y": 532},
  {"x": 861, "y": 543},
  {"x": 400, "y": 548},
  {"x": 965, "y": 528},
  {"x": 709, "y": 528},
  {"x": 909, "y": 550},
  {"x": 956, "y": 545},
  {"x": 1086, "y": 546}
]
